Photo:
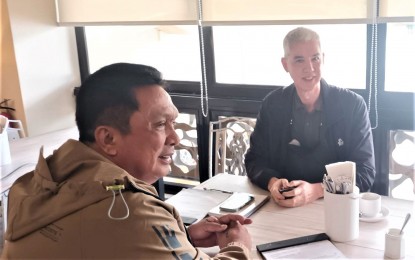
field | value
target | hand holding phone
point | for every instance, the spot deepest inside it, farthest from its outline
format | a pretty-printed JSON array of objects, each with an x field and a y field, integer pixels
[{"x": 286, "y": 189}]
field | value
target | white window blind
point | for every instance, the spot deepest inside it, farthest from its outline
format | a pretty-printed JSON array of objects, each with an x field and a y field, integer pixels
[
  {"x": 279, "y": 11},
  {"x": 89, "y": 12},
  {"x": 217, "y": 12},
  {"x": 397, "y": 10}
]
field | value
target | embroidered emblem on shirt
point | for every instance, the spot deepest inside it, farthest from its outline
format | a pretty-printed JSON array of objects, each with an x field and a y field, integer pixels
[{"x": 340, "y": 142}]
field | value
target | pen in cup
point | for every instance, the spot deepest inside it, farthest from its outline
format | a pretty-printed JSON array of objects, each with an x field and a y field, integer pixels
[
  {"x": 336, "y": 187},
  {"x": 224, "y": 191},
  {"x": 329, "y": 184}
]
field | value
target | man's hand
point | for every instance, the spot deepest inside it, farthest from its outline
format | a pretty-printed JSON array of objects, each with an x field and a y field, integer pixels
[
  {"x": 274, "y": 187},
  {"x": 303, "y": 194},
  {"x": 204, "y": 232},
  {"x": 236, "y": 232}
]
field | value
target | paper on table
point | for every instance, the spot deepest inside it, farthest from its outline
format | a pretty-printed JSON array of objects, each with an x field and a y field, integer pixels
[
  {"x": 196, "y": 203},
  {"x": 315, "y": 250},
  {"x": 342, "y": 169}
]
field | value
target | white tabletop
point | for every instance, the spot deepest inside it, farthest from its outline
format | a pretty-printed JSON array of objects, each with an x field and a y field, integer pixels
[
  {"x": 273, "y": 223},
  {"x": 25, "y": 153}
]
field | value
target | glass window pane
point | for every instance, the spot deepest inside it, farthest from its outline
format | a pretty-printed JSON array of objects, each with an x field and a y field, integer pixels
[
  {"x": 173, "y": 49},
  {"x": 402, "y": 164},
  {"x": 400, "y": 54},
  {"x": 252, "y": 54}
]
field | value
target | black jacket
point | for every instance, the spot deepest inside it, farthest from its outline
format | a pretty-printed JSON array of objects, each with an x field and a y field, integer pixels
[{"x": 346, "y": 118}]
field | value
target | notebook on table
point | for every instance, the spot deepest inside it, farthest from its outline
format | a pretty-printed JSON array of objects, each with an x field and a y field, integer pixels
[{"x": 316, "y": 246}]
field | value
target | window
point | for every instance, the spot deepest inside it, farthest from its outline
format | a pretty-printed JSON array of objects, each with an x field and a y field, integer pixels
[
  {"x": 400, "y": 54},
  {"x": 252, "y": 54},
  {"x": 173, "y": 49}
]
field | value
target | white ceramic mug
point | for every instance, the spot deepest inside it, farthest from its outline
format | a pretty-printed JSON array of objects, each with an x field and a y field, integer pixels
[
  {"x": 394, "y": 244},
  {"x": 370, "y": 204}
]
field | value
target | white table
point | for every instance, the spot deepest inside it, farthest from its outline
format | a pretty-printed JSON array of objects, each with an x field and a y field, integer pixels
[
  {"x": 25, "y": 153},
  {"x": 273, "y": 223}
]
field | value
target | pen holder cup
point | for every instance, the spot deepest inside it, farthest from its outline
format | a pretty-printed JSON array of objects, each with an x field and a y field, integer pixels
[{"x": 341, "y": 212}]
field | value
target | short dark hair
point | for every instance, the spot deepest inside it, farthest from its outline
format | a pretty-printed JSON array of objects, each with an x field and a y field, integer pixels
[{"x": 107, "y": 97}]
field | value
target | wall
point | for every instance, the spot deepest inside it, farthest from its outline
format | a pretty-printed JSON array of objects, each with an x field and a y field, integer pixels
[
  {"x": 9, "y": 88},
  {"x": 1, "y": 41},
  {"x": 46, "y": 63}
]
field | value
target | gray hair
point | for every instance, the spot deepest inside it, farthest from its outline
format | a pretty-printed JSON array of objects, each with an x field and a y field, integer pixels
[{"x": 300, "y": 34}]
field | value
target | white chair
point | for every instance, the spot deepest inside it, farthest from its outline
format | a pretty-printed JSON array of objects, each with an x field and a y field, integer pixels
[
  {"x": 185, "y": 160},
  {"x": 401, "y": 159},
  {"x": 228, "y": 143}
]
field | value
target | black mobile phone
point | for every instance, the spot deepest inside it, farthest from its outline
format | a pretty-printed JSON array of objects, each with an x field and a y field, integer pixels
[
  {"x": 236, "y": 202},
  {"x": 286, "y": 189},
  {"x": 188, "y": 220}
]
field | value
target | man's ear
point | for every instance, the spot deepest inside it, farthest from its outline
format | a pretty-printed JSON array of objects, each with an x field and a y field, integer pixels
[
  {"x": 284, "y": 63},
  {"x": 105, "y": 140}
]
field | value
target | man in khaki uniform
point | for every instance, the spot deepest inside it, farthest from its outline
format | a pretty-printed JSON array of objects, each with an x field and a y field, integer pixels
[{"x": 93, "y": 198}]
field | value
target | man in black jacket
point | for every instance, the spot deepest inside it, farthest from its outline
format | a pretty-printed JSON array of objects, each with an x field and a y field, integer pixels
[{"x": 307, "y": 125}]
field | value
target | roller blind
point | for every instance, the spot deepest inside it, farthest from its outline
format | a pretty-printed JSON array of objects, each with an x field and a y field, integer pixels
[
  {"x": 225, "y": 12},
  {"x": 281, "y": 11},
  {"x": 397, "y": 10},
  {"x": 89, "y": 12}
]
